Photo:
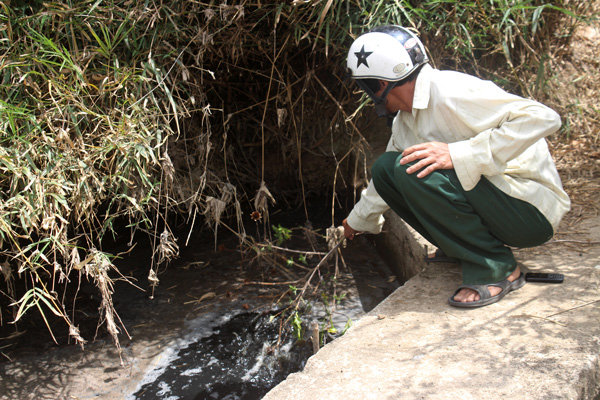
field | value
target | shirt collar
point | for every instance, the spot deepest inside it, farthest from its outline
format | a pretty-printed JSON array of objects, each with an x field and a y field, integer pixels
[{"x": 422, "y": 88}]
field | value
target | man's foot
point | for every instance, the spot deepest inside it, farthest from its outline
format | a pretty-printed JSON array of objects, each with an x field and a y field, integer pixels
[{"x": 466, "y": 295}]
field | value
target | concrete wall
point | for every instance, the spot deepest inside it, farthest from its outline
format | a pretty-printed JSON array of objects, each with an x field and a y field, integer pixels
[{"x": 401, "y": 247}]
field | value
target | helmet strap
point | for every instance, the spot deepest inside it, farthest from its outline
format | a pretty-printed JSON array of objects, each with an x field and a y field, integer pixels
[{"x": 378, "y": 100}]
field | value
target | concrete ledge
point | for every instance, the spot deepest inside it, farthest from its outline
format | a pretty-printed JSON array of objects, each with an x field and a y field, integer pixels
[
  {"x": 401, "y": 247},
  {"x": 540, "y": 342}
]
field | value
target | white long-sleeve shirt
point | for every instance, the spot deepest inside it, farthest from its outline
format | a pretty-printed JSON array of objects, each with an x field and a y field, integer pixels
[{"x": 490, "y": 133}]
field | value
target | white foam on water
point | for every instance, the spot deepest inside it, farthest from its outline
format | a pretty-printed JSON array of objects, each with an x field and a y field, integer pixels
[
  {"x": 197, "y": 329},
  {"x": 164, "y": 389},
  {"x": 192, "y": 371},
  {"x": 260, "y": 361}
]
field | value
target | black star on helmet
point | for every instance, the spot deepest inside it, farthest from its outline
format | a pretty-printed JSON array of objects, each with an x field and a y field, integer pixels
[{"x": 362, "y": 57}]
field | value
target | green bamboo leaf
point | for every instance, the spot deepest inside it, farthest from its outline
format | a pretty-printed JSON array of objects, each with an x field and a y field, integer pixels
[
  {"x": 535, "y": 18},
  {"x": 27, "y": 301}
]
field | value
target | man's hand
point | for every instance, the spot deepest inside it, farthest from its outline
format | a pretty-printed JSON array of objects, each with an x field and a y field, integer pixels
[
  {"x": 349, "y": 233},
  {"x": 432, "y": 156}
]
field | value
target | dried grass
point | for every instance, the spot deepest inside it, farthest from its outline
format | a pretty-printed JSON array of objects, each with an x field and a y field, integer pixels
[{"x": 572, "y": 90}]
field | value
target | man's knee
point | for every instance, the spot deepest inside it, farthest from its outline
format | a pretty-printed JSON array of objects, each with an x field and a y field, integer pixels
[
  {"x": 384, "y": 165},
  {"x": 388, "y": 171}
]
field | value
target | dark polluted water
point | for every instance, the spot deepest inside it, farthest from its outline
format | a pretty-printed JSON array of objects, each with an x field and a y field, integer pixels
[
  {"x": 238, "y": 360},
  {"x": 231, "y": 355}
]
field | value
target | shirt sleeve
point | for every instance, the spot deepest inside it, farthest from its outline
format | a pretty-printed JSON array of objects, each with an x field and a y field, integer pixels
[
  {"x": 516, "y": 124},
  {"x": 367, "y": 214}
]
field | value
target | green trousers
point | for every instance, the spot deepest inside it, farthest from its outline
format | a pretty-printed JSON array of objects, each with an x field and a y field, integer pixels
[{"x": 476, "y": 227}]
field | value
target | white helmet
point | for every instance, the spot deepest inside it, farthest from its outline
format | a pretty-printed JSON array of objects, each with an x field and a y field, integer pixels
[{"x": 390, "y": 53}]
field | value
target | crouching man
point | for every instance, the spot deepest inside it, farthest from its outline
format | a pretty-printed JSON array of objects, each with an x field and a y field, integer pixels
[{"x": 467, "y": 165}]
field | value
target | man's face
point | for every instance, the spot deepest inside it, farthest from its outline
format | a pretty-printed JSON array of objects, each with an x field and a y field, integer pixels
[{"x": 382, "y": 86}]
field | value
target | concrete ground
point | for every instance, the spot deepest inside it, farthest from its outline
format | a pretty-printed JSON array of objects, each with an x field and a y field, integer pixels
[{"x": 539, "y": 342}]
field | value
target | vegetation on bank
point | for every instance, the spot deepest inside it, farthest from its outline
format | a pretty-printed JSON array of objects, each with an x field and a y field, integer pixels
[{"x": 119, "y": 117}]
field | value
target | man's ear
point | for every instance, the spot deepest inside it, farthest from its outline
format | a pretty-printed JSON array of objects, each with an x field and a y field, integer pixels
[{"x": 383, "y": 84}]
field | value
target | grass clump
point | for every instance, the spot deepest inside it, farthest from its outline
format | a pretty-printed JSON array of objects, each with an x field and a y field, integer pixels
[{"x": 84, "y": 122}]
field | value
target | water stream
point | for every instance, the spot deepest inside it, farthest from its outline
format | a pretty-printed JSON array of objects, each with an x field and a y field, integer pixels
[
  {"x": 234, "y": 355},
  {"x": 237, "y": 360}
]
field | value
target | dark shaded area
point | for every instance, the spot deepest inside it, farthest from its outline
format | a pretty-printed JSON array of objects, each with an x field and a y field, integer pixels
[
  {"x": 213, "y": 277},
  {"x": 204, "y": 266}
]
